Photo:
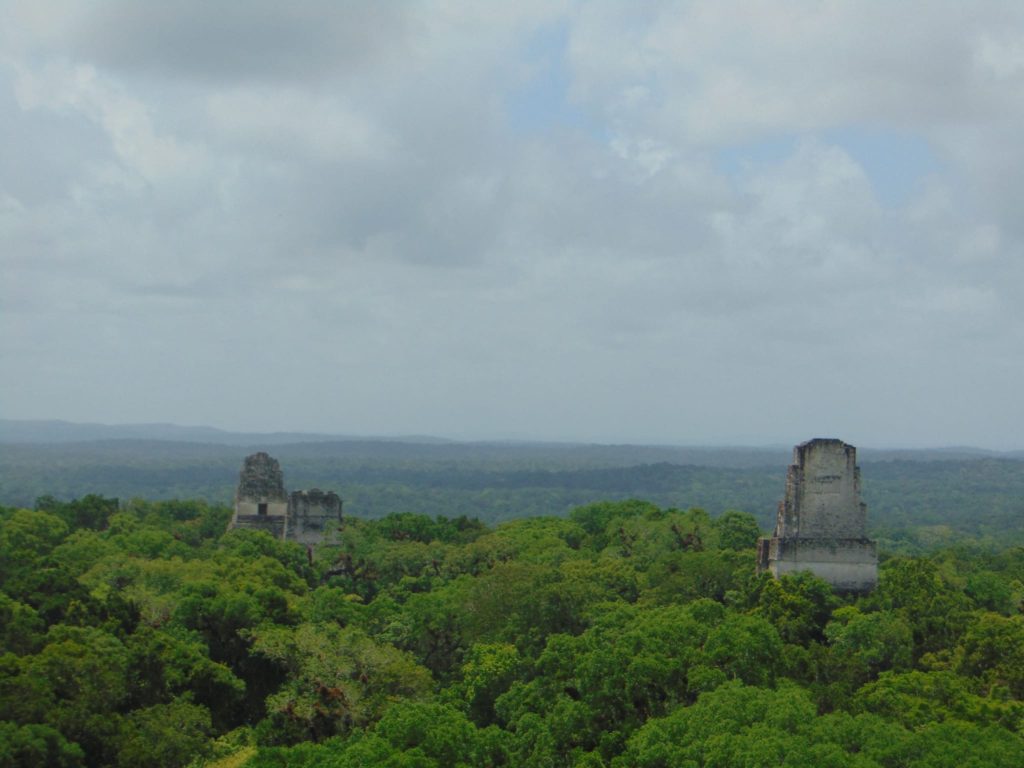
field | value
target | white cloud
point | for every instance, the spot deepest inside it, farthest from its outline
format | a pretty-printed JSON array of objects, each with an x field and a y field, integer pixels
[
  {"x": 294, "y": 122},
  {"x": 244, "y": 190},
  {"x": 153, "y": 156},
  {"x": 1001, "y": 58}
]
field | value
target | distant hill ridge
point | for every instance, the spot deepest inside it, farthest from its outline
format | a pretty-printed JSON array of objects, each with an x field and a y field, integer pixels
[
  {"x": 24, "y": 431},
  {"x": 55, "y": 431}
]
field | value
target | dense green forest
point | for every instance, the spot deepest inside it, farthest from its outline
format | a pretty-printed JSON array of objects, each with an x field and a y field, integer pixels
[
  {"x": 916, "y": 499},
  {"x": 622, "y": 634}
]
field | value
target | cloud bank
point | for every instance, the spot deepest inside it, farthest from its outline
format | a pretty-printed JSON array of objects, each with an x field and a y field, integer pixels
[{"x": 706, "y": 222}]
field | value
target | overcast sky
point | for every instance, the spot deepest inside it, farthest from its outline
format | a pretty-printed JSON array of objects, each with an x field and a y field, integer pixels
[{"x": 695, "y": 223}]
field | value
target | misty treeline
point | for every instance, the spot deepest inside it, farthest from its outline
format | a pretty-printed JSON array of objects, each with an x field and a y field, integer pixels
[
  {"x": 913, "y": 505},
  {"x": 623, "y": 634}
]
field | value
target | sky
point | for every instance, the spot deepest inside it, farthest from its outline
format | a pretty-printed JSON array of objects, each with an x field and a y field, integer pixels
[{"x": 721, "y": 222}]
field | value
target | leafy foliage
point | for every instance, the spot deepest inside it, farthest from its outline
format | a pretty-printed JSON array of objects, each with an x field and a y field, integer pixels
[{"x": 624, "y": 634}]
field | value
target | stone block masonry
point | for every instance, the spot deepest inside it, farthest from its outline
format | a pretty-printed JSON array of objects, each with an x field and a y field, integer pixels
[
  {"x": 821, "y": 525},
  {"x": 312, "y": 515},
  {"x": 261, "y": 503}
]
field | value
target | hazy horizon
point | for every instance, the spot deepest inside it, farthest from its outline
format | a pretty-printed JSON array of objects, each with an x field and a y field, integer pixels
[
  {"x": 697, "y": 224},
  {"x": 497, "y": 439}
]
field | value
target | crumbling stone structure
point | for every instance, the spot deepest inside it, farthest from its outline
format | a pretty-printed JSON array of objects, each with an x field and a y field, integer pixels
[
  {"x": 822, "y": 524},
  {"x": 312, "y": 515},
  {"x": 261, "y": 503}
]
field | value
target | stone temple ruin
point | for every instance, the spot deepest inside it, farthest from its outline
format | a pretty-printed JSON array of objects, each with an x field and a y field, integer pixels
[
  {"x": 822, "y": 523},
  {"x": 261, "y": 503}
]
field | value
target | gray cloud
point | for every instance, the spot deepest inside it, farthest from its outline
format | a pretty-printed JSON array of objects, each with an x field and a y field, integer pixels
[
  {"x": 515, "y": 220},
  {"x": 255, "y": 41}
]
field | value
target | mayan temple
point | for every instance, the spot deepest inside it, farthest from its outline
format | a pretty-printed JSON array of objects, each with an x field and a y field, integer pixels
[
  {"x": 261, "y": 503},
  {"x": 822, "y": 524}
]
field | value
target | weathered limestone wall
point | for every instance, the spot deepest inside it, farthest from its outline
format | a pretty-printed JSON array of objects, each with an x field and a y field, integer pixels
[
  {"x": 261, "y": 503},
  {"x": 260, "y": 500},
  {"x": 261, "y": 479},
  {"x": 312, "y": 515},
  {"x": 849, "y": 565},
  {"x": 276, "y": 526},
  {"x": 823, "y": 493},
  {"x": 822, "y": 523},
  {"x": 251, "y": 507}
]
